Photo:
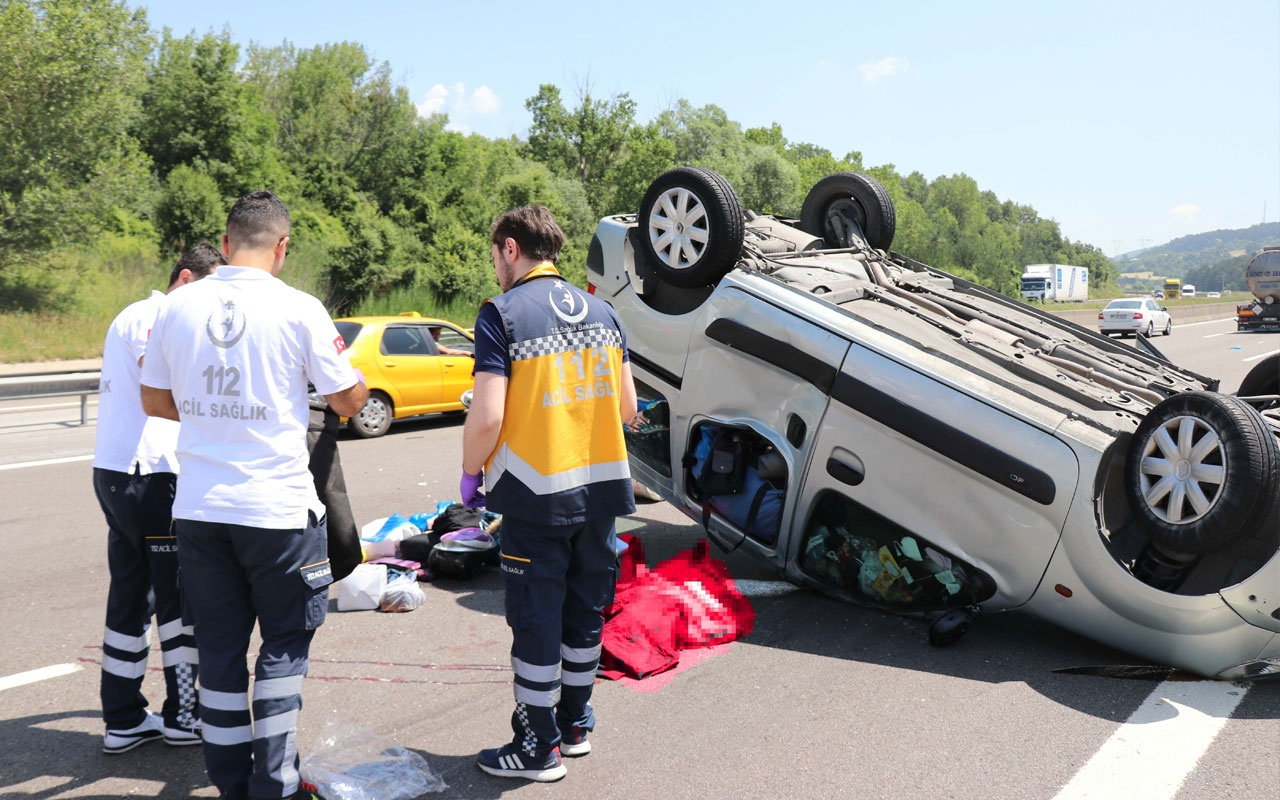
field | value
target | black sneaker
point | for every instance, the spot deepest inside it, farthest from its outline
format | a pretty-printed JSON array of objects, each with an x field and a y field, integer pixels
[
  {"x": 182, "y": 735},
  {"x": 509, "y": 762},
  {"x": 123, "y": 740},
  {"x": 573, "y": 743}
]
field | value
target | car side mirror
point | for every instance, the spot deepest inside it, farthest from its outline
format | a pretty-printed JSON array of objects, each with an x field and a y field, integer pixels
[{"x": 1164, "y": 308}]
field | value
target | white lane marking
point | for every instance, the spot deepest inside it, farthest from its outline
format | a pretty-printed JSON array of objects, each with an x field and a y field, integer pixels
[
  {"x": 1151, "y": 754},
  {"x": 1210, "y": 336},
  {"x": 46, "y": 462},
  {"x": 1204, "y": 322},
  {"x": 1255, "y": 358},
  {"x": 42, "y": 674}
]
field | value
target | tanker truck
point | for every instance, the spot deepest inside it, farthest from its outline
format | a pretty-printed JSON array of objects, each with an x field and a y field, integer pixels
[{"x": 1263, "y": 278}]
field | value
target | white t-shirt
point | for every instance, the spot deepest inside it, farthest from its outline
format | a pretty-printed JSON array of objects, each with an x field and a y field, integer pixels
[
  {"x": 237, "y": 350},
  {"x": 125, "y": 436}
]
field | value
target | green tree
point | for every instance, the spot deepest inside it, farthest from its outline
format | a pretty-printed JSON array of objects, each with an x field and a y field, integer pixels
[
  {"x": 198, "y": 111},
  {"x": 69, "y": 80},
  {"x": 190, "y": 209},
  {"x": 584, "y": 142}
]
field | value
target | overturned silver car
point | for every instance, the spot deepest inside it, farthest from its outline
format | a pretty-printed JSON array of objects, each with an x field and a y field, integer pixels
[{"x": 896, "y": 436}]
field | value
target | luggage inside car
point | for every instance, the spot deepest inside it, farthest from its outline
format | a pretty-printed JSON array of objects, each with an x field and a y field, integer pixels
[{"x": 739, "y": 475}]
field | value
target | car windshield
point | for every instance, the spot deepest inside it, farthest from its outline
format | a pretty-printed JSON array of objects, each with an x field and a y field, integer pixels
[
  {"x": 1125, "y": 304},
  {"x": 348, "y": 331}
]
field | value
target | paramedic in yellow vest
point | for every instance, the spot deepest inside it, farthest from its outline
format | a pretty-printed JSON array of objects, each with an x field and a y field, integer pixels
[{"x": 544, "y": 436}]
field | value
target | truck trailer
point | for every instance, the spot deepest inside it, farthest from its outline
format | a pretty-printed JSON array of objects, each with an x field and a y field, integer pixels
[{"x": 1059, "y": 282}]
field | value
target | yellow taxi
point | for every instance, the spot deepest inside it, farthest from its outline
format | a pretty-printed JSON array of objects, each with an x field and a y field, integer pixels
[{"x": 412, "y": 365}]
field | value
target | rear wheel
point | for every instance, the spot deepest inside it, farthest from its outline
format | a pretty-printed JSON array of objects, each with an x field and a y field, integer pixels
[
  {"x": 691, "y": 227},
  {"x": 1151, "y": 329},
  {"x": 846, "y": 208},
  {"x": 1203, "y": 469},
  {"x": 375, "y": 418},
  {"x": 1263, "y": 379}
]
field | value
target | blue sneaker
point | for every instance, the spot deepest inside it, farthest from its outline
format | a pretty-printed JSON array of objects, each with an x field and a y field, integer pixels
[
  {"x": 509, "y": 762},
  {"x": 573, "y": 742}
]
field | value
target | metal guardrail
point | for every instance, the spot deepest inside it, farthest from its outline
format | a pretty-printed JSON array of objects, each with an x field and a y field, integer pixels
[{"x": 67, "y": 384}]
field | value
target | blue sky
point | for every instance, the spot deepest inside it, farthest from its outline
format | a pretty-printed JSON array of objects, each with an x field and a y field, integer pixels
[{"x": 1130, "y": 122}]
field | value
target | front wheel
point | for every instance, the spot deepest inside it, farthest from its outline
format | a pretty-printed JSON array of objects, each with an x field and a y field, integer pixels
[
  {"x": 375, "y": 418},
  {"x": 1168, "y": 326},
  {"x": 1202, "y": 471}
]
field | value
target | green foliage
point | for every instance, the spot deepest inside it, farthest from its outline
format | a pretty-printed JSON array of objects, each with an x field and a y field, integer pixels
[
  {"x": 190, "y": 209},
  {"x": 1226, "y": 275}
]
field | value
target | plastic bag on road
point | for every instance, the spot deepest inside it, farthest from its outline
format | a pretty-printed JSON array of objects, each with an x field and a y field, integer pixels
[{"x": 353, "y": 763}]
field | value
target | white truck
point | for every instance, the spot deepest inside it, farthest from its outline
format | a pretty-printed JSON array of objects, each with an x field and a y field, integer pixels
[
  {"x": 1188, "y": 290},
  {"x": 1059, "y": 282}
]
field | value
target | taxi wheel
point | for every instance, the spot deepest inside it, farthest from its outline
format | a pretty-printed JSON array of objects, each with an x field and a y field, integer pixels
[
  {"x": 375, "y": 418},
  {"x": 1263, "y": 379},
  {"x": 1202, "y": 473}
]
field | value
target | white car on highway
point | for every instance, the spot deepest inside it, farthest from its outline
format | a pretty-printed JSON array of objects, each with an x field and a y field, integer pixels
[
  {"x": 907, "y": 440},
  {"x": 1135, "y": 315}
]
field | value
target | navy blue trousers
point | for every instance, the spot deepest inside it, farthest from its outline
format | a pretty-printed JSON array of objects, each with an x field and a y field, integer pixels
[
  {"x": 142, "y": 558},
  {"x": 558, "y": 581},
  {"x": 232, "y": 577}
]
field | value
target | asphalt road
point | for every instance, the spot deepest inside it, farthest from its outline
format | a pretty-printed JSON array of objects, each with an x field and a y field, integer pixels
[{"x": 822, "y": 700}]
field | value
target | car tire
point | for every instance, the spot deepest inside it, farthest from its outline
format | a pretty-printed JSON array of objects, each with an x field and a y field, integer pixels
[
  {"x": 843, "y": 200},
  {"x": 1202, "y": 473},
  {"x": 375, "y": 418},
  {"x": 691, "y": 227},
  {"x": 1264, "y": 378},
  {"x": 1168, "y": 326},
  {"x": 1150, "y": 331}
]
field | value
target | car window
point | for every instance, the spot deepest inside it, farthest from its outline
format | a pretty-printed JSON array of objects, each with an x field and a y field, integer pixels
[
  {"x": 406, "y": 341},
  {"x": 1125, "y": 304},
  {"x": 452, "y": 337},
  {"x": 348, "y": 331},
  {"x": 855, "y": 550}
]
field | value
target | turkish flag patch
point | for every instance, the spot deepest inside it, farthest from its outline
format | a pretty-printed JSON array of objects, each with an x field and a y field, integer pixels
[{"x": 339, "y": 344}]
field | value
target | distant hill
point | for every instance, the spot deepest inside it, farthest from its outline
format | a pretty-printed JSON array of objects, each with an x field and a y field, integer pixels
[{"x": 1174, "y": 259}]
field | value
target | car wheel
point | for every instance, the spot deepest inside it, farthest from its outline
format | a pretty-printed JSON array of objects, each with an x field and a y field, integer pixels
[
  {"x": 1263, "y": 379},
  {"x": 691, "y": 227},
  {"x": 843, "y": 203},
  {"x": 1202, "y": 472},
  {"x": 1168, "y": 326},
  {"x": 374, "y": 419}
]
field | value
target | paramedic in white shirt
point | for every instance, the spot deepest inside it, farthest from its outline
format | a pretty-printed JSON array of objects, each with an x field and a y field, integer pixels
[
  {"x": 133, "y": 476},
  {"x": 231, "y": 358}
]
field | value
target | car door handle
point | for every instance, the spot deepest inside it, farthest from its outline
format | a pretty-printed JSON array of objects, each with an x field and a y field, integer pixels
[
  {"x": 388, "y": 364},
  {"x": 845, "y": 473}
]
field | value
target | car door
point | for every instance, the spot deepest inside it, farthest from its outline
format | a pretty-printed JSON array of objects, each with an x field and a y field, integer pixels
[
  {"x": 947, "y": 470},
  {"x": 456, "y": 370},
  {"x": 754, "y": 366},
  {"x": 411, "y": 368}
]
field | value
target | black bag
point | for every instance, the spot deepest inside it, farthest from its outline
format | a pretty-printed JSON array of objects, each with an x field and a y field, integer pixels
[
  {"x": 726, "y": 465},
  {"x": 455, "y": 518},
  {"x": 331, "y": 488}
]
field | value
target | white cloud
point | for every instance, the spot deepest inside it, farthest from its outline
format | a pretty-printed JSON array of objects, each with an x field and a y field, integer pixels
[
  {"x": 1185, "y": 214},
  {"x": 459, "y": 104},
  {"x": 883, "y": 68},
  {"x": 434, "y": 101}
]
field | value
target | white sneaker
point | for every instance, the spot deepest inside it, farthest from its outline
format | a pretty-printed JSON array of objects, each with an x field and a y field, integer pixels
[{"x": 120, "y": 741}]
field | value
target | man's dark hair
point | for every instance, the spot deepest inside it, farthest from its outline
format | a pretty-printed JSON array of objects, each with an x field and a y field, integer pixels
[
  {"x": 538, "y": 235},
  {"x": 201, "y": 260},
  {"x": 258, "y": 221}
]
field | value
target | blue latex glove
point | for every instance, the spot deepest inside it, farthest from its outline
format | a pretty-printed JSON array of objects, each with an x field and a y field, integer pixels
[{"x": 469, "y": 488}]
